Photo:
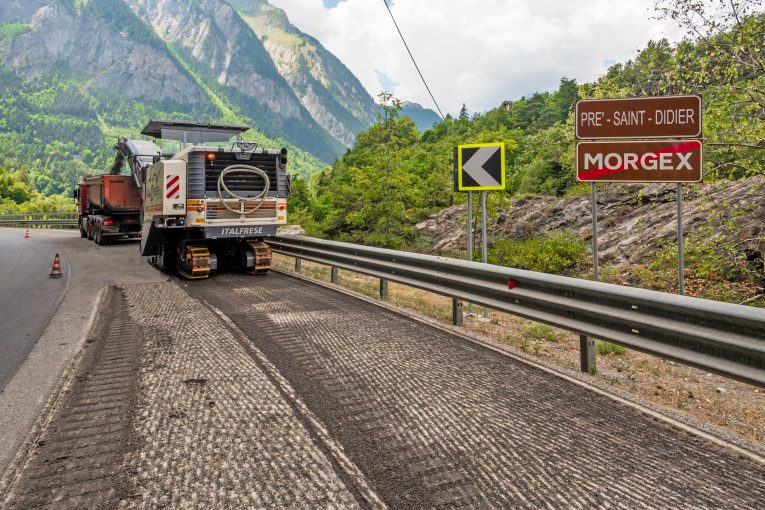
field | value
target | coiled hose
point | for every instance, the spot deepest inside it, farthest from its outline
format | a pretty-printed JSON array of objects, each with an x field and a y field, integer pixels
[{"x": 259, "y": 198}]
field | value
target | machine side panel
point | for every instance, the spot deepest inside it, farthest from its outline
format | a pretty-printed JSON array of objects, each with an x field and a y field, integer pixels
[
  {"x": 153, "y": 196},
  {"x": 174, "y": 188},
  {"x": 165, "y": 190}
]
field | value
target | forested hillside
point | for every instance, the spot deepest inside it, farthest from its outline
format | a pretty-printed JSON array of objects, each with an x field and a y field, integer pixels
[{"x": 394, "y": 176}]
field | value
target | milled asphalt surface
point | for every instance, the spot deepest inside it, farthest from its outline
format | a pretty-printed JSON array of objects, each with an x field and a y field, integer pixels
[
  {"x": 28, "y": 297},
  {"x": 435, "y": 421},
  {"x": 270, "y": 392},
  {"x": 78, "y": 462},
  {"x": 91, "y": 268}
]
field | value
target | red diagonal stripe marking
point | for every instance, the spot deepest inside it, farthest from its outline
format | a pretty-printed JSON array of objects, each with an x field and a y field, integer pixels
[
  {"x": 173, "y": 180},
  {"x": 173, "y": 192},
  {"x": 672, "y": 149}
]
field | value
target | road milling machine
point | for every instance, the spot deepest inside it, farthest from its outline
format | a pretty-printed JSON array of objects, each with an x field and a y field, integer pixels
[{"x": 209, "y": 198}]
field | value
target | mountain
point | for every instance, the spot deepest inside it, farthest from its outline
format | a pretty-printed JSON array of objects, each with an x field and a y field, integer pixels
[
  {"x": 197, "y": 58},
  {"x": 423, "y": 117},
  {"x": 20, "y": 10},
  {"x": 74, "y": 74},
  {"x": 212, "y": 41},
  {"x": 108, "y": 52},
  {"x": 331, "y": 93}
]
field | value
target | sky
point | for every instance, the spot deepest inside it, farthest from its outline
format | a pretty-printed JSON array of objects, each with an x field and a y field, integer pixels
[{"x": 478, "y": 52}]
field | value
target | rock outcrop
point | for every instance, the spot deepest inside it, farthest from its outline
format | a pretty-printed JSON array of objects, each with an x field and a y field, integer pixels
[
  {"x": 105, "y": 60},
  {"x": 632, "y": 220},
  {"x": 212, "y": 38},
  {"x": 20, "y": 10},
  {"x": 241, "y": 60},
  {"x": 329, "y": 91}
]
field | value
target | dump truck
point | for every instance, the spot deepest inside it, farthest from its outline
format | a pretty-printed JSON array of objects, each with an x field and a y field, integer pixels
[
  {"x": 208, "y": 198},
  {"x": 109, "y": 208}
]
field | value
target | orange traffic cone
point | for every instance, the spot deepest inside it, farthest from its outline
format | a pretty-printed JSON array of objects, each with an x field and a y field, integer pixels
[
  {"x": 56, "y": 271},
  {"x": 27, "y": 236}
]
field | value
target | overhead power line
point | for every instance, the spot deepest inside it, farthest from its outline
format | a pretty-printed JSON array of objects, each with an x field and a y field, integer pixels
[{"x": 413, "y": 60}]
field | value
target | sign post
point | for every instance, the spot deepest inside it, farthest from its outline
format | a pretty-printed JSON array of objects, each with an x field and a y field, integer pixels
[
  {"x": 595, "y": 263},
  {"x": 479, "y": 167},
  {"x": 680, "y": 251},
  {"x": 470, "y": 235},
  {"x": 642, "y": 139},
  {"x": 484, "y": 243}
]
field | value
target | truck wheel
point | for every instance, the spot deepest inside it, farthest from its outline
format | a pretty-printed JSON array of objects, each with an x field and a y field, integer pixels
[{"x": 83, "y": 232}]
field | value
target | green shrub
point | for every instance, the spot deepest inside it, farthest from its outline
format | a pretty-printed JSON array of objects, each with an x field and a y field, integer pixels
[
  {"x": 716, "y": 264},
  {"x": 541, "y": 332},
  {"x": 11, "y": 29},
  {"x": 609, "y": 348},
  {"x": 559, "y": 252},
  {"x": 580, "y": 189}
]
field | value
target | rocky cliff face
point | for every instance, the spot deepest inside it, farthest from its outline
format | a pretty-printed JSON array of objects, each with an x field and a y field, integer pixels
[
  {"x": 215, "y": 37},
  {"x": 20, "y": 10},
  {"x": 212, "y": 39},
  {"x": 200, "y": 59},
  {"x": 633, "y": 220},
  {"x": 329, "y": 91},
  {"x": 178, "y": 56},
  {"x": 62, "y": 41}
]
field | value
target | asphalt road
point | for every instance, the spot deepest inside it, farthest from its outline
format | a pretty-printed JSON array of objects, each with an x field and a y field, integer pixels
[
  {"x": 28, "y": 297},
  {"x": 270, "y": 392},
  {"x": 435, "y": 421},
  {"x": 34, "y": 365}
]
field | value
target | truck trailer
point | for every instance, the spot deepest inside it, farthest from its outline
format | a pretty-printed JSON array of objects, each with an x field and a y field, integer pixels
[
  {"x": 208, "y": 198},
  {"x": 109, "y": 208}
]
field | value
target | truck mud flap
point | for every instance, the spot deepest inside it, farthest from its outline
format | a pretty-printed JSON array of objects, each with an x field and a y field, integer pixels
[{"x": 151, "y": 237}]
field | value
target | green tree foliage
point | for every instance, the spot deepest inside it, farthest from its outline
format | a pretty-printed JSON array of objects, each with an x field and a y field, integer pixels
[
  {"x": 12, "y": 29},
  {"x": 371, "y": 196},
  {"x": 18, "y": 194},
  {"x": 391, "y": 179},
  {"x": 726, "y": 62}
]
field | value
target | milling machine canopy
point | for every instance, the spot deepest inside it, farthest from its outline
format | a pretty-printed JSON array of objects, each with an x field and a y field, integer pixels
[{"x": 189, "y": 132}]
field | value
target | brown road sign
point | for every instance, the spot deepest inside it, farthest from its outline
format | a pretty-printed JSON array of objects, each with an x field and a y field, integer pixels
[
  {"x": 639, "y": 161},
  {"x": 639, "y": 117}
]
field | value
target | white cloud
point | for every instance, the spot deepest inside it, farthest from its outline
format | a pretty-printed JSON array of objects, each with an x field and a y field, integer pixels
[{"x": 478, "y": 52}]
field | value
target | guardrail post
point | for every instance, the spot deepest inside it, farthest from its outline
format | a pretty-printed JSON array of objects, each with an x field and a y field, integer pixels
[
  {"x": 333, "y": 275},
  {"x": 457, "y": 315},
  {"x": 587, "y": 354},
  {"x": 298, "y": 264},
  {"x": 383, "y": 288}
]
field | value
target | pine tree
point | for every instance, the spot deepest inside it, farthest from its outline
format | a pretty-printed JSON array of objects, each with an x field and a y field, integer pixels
[{"x": 464, "y": 113}]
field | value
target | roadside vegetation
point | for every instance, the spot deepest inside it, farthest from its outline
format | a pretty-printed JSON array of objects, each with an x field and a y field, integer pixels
[
  {"x": 18, "y": 195},
  {"x": 560, "y": 252},
  {"x": 394, "y": 171},
  {"x": 394, "y": 177}
]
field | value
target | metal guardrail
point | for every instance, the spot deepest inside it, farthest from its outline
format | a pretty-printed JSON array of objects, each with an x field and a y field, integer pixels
[
  {"x": 720, "y": 337},
  {"x": 57, "y": 219}
]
